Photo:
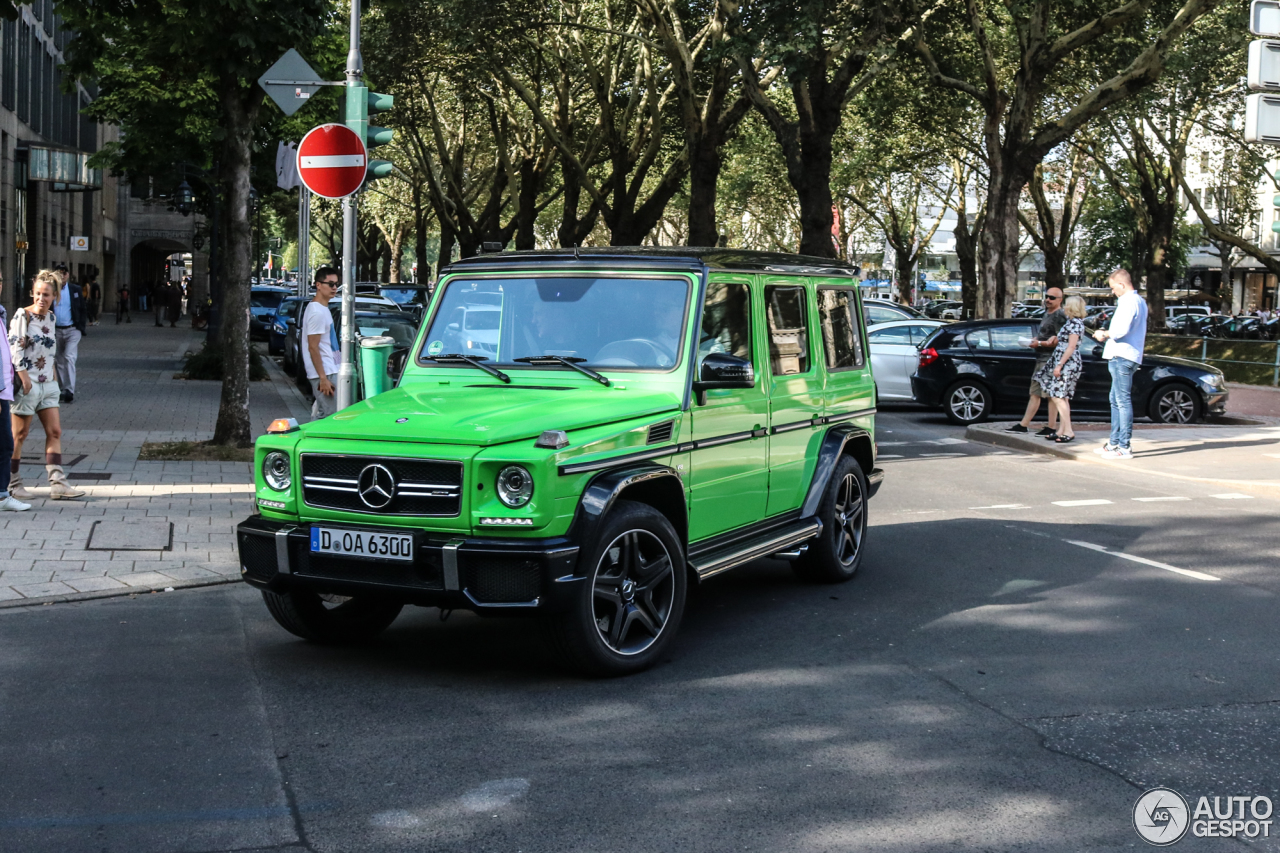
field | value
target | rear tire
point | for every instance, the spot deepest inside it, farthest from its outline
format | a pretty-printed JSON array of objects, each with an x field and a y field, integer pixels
[
  {"x": 835, "y": 555},
  {"x": 331, "y": 619},
  {"x": 967, "y": 402},
  {"x": 630, "y": 604}
]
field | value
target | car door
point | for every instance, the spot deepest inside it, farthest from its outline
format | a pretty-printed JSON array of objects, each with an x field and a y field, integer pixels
[
  {"x": 729, "y": 465},
  {"x": 795, "y": 389},
  {"x": 1093, "y": 390},
  {"x": 893, "y": 360},
  {"x": 1007, "y": 362}
]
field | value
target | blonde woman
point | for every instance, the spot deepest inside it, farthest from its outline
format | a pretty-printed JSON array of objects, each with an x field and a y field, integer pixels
[
  {"x": 1061, "y": 372},
  {"x": 33, "y": 347}
]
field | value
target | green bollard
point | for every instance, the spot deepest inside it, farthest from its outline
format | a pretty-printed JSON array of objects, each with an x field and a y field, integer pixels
[{"x": 374, "y": 352}]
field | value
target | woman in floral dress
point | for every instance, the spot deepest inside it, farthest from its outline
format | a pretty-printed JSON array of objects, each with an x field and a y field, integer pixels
[
  {"x": 1061, "y": 372},
  {"x": 33, "y": 347}
]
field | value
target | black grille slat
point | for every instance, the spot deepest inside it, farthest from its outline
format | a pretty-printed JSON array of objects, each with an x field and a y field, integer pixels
[
  {"x": 661, "y": 433},
  {"x": 258, "y": 557},
  {"x": 407, "y": 473},
  {"x": 494, "y": 578}
]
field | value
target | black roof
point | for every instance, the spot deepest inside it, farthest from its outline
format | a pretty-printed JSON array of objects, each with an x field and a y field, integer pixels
[{"x": 665, "y": 257}]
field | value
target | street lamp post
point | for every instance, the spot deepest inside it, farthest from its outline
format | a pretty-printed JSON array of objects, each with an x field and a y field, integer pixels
[{"x": 185, "y": 204}]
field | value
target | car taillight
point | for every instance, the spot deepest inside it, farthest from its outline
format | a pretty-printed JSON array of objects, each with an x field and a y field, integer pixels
[{"x": 928, "y": 356}]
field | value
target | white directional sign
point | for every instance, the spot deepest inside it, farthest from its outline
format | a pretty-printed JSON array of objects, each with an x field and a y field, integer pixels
[
  {"x": 1262, "y": 118},
  {"x": 1264, "y": 18}
]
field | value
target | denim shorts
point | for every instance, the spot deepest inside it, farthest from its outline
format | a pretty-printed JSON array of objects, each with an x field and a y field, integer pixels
[{"x": 43, "y": 395}]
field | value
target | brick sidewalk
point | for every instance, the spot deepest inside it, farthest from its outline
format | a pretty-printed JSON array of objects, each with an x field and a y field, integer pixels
[{"x": 126, "y": 395}]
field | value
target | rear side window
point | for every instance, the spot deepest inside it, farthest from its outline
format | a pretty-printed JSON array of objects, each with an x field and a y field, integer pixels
[
  {"x": 841, "y": 342},
  {"x": 979, "y": 339},
  {"x": 788, "y": 330}
]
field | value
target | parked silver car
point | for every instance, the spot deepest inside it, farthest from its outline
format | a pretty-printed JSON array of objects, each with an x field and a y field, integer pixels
[{"x": 895, "y": 352}]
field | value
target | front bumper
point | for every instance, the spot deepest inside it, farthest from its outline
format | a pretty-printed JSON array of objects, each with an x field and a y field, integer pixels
[{"x": 485, "y": 575}]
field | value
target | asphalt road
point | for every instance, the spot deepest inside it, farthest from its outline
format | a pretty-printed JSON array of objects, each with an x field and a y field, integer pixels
[{"x": 997, "y": 677}]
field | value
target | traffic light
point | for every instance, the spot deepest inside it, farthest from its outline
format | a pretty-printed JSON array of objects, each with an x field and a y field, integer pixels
[{"x": 356, "y": 110}]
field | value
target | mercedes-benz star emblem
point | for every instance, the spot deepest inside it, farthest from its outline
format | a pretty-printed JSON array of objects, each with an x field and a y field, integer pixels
[{"x": 376, "y": 486}]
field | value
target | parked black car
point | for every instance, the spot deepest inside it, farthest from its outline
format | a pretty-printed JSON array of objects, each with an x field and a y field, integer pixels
[
  {"x": 410, "y": 297},
  {"x": 977, "y": 368}
]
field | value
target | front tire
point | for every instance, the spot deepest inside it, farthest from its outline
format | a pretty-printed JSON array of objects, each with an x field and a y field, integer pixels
[
  {"x": 632, "y": 599},
  {"x": 967, "y": 402},
  {"x": 331, "y": 619},
  {"x": 1175, "y": 404},
  {"x": 835, "y": 555}
]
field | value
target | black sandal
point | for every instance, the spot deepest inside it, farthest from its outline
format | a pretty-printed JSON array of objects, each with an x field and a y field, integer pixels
[{"x": 1064, "y": 439}]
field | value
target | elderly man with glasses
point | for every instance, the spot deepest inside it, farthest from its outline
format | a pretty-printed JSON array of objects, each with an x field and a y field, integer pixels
[{"x": 1043, "y": 343}]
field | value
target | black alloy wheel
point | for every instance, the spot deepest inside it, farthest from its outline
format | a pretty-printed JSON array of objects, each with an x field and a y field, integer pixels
[
  {"x": 331, "y": 618},
  {"x": 835, "y": 555},
  {"x": 632, "y": 597},
  {"x": 967, "y": 402},
  {"x": 1175, "y": 404}
]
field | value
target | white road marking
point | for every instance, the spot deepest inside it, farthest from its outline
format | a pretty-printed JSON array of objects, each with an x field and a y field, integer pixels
[
  {"x": 1169, "y": 498},
  {"x": 1233, "y": 496},
  {"x": 891, "y": 443},
  {"x": 1143, "y": 560},
  {"x": 494, "y": 795},
  {"x": 1272, "y": 455},
  {"x": 1091, "y": 502},
  {"x": 946, "y": 441},
  {"x": 889, "y": 456},
  {"x": 1002, "y": 506},
  {"x": 940, "y": 455}
]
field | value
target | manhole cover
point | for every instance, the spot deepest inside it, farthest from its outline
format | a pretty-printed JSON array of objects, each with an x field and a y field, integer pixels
[{"x": 141, "y": 535}]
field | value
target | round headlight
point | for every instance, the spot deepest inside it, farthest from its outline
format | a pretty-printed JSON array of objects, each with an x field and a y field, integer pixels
[
  {"x": 275, "y": 470},
  {"x": 515, "y": 486}
]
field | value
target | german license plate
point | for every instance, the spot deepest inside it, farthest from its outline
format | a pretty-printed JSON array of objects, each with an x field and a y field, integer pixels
[{"x": 361, "y": 543}]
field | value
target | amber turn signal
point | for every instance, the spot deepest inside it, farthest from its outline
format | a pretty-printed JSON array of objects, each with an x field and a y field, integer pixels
[{"x": 281, "y": 425}]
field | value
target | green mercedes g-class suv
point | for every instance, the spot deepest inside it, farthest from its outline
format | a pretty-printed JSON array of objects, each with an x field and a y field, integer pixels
[{"x": 583, "y": 434}]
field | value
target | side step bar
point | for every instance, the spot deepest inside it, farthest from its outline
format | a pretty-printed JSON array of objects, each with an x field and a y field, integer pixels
[{"x": 754, "y": 548}]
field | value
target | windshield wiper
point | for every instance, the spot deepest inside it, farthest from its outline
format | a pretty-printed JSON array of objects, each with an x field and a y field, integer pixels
[
  {"x": 568, "y": 361},
  {"x": 473, "y": 360}
]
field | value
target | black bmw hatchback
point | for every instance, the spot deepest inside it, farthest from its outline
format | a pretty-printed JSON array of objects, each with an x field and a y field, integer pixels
[{"x": 974, "y": 369}]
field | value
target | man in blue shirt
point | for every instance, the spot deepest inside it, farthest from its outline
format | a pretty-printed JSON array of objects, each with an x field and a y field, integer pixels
[
  {"x": 1124, "y": 338},
  {"x": 69, "y": 316}
]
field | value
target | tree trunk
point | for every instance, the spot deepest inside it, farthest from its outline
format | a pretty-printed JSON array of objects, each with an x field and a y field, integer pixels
[
  {"x": 527, "y": 212},
  {"x": 1159, "y": 275},
  {"x": 904, "y": 271},
  {"x": 239, "y": 112},
  {"x": 814, "y": 193},
  {"x": 421, "y": 213},
  {"x": 967, "y": 259},
  {"x": 1225, "y": 288},
  {"x": 447, "y": 241},
  {"x": 397, "y": 255},
  {"x": 1001, "y": 242},
  {"x": 1054, "y": 272},
  {"x": 705, "y": 163}
]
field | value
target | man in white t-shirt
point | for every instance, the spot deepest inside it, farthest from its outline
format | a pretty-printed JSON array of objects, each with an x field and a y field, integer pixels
[{"x": 317, "y": 354}]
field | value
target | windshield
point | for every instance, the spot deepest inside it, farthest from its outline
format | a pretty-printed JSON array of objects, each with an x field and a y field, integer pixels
[
  {"x": 405, "y": 295},
  {"x": 266, "y": 299},
  {"x": 629, "y": 323}
]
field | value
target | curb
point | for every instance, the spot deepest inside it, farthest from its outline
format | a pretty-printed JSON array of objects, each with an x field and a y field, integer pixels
[
  {"x": 1017, "y": 441},
  {"x": 72, "y": 598}
]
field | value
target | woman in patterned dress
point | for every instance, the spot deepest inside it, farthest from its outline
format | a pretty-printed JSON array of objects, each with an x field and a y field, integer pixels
[
  {"x": 33, "y": 347},
  {"x": 1061, "y": 372}
]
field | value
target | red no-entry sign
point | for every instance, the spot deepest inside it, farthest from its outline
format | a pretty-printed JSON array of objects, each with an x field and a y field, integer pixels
[{"x": 332, "y": 160}]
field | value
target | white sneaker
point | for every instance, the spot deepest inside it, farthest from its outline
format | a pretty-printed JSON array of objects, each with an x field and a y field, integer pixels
[
  {"x": 12, "y": 504},
  {"x": 1118, "y": 453},
  {"x": 1106, "y": 448}
]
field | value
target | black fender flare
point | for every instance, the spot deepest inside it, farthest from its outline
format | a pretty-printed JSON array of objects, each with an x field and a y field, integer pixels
[
  {"x": 658, "y": 486},
  {"x": 845, "y": 439}
]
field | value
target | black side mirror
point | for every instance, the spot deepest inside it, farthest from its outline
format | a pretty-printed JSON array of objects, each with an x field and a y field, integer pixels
[{"x": 721, "y": 370}]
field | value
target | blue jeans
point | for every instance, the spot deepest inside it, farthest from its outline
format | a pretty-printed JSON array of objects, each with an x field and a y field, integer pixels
[
  {"x": 6, "y": 447},
  {"x": 1122, "y": 370}
]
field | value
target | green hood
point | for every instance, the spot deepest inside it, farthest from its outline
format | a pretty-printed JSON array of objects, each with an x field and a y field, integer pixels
[{"x": 486, "y": 414}]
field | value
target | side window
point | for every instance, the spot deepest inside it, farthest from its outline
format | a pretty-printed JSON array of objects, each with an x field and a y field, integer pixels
[
  {"x": 879, "y": 314},
  {"x": 788, "y": 330},
  {"x": 979, "y": 339},
  {"x": 890, "y": 335},
  {"x": 1006, "y": 338},
  {"x": 841, "y": 340},
  {"x": 726, "y": 320},
  {"x": 919, "y": 334}
]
